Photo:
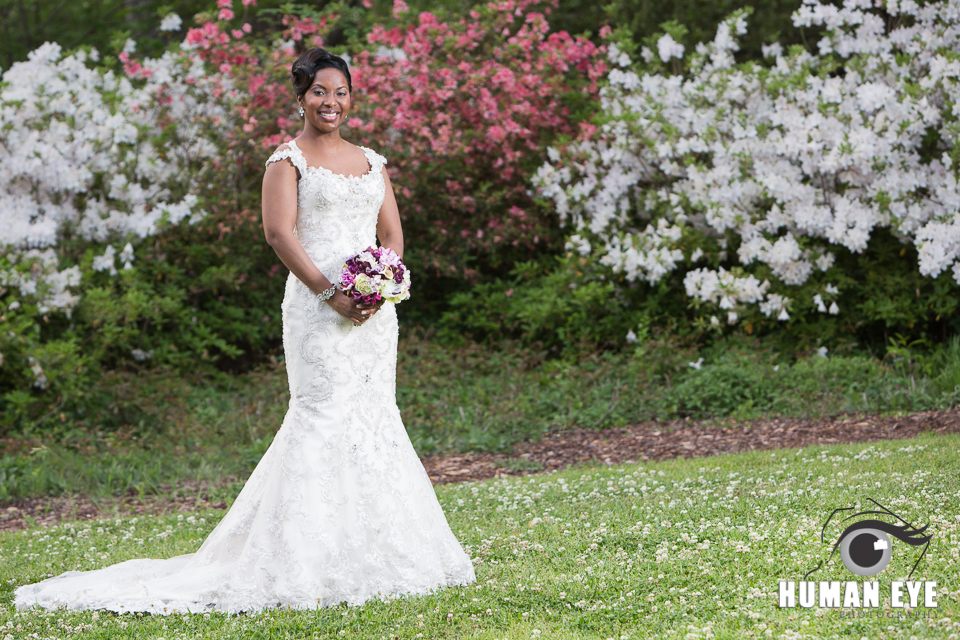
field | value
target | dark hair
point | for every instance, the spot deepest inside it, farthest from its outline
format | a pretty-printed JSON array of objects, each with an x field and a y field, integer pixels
[{"x": 310, "y": 62}]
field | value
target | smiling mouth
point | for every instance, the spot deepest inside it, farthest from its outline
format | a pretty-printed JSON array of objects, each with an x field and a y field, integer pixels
[{"x": 329, "y": 116}]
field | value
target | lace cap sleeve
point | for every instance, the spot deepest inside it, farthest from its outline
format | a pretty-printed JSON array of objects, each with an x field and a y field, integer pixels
[
  {"x": 293, "y": 153},
  {"x": 376, "y": 160}
]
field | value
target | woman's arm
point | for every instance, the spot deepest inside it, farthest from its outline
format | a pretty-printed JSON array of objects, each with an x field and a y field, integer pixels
[
  {"x": 279, "y": 205},
  {"x": 388, "y": 222}
]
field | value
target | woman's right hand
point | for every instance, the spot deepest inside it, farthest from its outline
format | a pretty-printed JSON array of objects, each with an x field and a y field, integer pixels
[{"x": 355, "y": 312}]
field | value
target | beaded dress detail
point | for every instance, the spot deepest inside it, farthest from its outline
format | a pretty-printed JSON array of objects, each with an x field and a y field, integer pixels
[{"x": 340, "y": 508}]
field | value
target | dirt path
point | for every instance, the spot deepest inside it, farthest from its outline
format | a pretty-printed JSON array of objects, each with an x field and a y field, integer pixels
[
  {"x": 682, "y": 439},
  {"x": 647, "y": 441}
]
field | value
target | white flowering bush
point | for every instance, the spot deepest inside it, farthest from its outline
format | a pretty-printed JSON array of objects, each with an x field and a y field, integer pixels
[
  {"x": 765, "y": 184},
  {"x": 90, "y": 159},
  {"x": 90, "y": 154}
]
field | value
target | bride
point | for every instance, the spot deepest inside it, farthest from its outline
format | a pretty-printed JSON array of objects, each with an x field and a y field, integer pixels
[{"x": 339, "y": 509}]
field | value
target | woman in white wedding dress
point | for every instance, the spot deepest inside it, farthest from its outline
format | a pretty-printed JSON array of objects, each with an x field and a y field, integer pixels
[{"x": 339, "y": 509}]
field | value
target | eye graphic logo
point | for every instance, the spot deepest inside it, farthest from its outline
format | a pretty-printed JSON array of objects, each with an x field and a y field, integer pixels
[{"x": 865, "y": 545}]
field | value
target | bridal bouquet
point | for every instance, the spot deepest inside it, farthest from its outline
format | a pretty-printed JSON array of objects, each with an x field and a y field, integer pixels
[{"x": 374, "y": 275}]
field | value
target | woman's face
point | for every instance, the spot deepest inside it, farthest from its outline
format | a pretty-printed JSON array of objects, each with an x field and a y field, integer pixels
[{"x": 327, "y": 101}]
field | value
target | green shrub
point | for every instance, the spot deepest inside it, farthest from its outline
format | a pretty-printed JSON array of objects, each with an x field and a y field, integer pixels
[
  {"x": 195, "y": 294},
  {"x": 749, "y": 387},
  {"x": 945, "y": 368},
  {"x": 562, "y": 304},
  {"x": 770, "y": 21}
]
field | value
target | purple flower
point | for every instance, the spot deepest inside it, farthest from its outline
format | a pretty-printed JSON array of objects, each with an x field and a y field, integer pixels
[{"x": 389, "y": 258}]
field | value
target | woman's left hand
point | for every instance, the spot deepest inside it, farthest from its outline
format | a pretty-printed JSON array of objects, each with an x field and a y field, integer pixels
[{"x": 369, "y": 310}]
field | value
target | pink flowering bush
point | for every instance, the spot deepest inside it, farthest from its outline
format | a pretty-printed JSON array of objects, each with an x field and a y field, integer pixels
[{"x": 462, "y": 110}]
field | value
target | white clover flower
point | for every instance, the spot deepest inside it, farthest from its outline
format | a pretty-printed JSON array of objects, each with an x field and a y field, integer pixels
[{"x": 171, "y": 22}]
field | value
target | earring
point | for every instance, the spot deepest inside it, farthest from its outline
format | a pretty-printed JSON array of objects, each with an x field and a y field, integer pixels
[{"x": 300, "y": 111}]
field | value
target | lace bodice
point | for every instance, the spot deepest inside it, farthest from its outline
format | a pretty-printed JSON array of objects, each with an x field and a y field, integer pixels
[{"x": 336, "y": 214}]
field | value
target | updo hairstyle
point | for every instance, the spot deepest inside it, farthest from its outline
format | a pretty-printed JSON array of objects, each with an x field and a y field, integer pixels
[{"x": 311, "y": 61}]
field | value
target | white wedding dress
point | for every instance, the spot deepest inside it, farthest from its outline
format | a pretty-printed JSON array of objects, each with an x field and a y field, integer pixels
[{"x": 340, "y": 508}]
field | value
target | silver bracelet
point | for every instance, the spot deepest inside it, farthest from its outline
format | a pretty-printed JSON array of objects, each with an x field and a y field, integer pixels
[{"x": 326, "y": 294}]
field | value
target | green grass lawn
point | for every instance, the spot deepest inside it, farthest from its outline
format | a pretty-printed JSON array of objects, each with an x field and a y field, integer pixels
[{"x": 684, "y": 549}]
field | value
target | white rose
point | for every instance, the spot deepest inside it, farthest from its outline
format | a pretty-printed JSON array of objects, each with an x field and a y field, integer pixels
[{"x": 364, "y": 285}]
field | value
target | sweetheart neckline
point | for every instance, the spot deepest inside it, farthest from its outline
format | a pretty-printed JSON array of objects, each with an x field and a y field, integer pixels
[{"x": 293, "y": 144}]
